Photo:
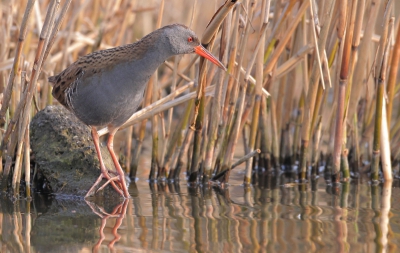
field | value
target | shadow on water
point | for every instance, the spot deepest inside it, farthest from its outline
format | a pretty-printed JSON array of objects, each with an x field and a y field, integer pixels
[{"x": 276, "y": 214}]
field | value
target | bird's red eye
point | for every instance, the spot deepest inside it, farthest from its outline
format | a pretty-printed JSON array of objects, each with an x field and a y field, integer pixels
[{"x": 190, "y": 39}]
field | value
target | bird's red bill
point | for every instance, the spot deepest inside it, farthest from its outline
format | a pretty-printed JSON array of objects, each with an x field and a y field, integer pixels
[{"x": 200, "y": 50}]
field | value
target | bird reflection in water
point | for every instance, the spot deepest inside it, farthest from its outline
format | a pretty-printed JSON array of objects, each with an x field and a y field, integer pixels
[{"x": 119, "y": 213}]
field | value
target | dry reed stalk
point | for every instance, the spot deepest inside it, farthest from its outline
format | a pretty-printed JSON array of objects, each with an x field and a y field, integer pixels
[
  {"x": 278, "y": 25},
  {"x": 74, "y": 47},
  {"x": 353, "y": 60},
  {"x": 316, "y": 148},
  {"x": 340, "y": 114},
  {"x": 265, "y": 135},
  {"x": 245, "y": 141},
  {"x": 128, "y": 19},
  {"x": 181, "y": 74},
  {"x": 282, "y": 83},
  {"x": 169, "y": 116},
  {"x": 298, "y": 124},
  {"x": 22, "y": 35},
  {"x": 299, "y": 56},
  {"x": 333, "y": 109},
  {"x": 155, "y": 157},
  {"x": 232, "y": 89},
  {"x": 142, "y": 128},
  {"x": 47, "y": 26},
  {"x": 353, "y": 32},
  {"x": 198, "y": 119},
  {"x": 384, "y": 36},
  {"x": 27, "y": 161},
  {"x": 138, "y": 149},
  {"x": 18, "y": 158},
  {"x": 235, "y": 128},
  {"x": 312, "y": 92},
  {"x": 223, "y": 130},
  {"x": 356, "y": 144},
  {"x": 21, "y": 139},
  {"x": 282, "y": 43},
  {"x": 198, "y": 127},
  {"x": 155, "y": 166},
  {"x": 381, "y": 68},
  {"x": 265, "y": 8},
  {"x": 176, "y": 142},
  {"x": 394, "y": 66},
  {"x": 275, "y": 136},
  {"x": 231, "y": 72},
  {"x": 362, "y": 69},
  {"x": 12, "y": 123},
  {"x": 293, "y": 61},
  {"x": 342, "y": 21},
  {"x": 8, "y": 64},
  {"x": 56, "y": 28},
  {"x": 321, "y": 93},
  {"x": 109, "y": 11},
  {"x": 184, "y": 151},
  {"x": 367, "y": 129},
  {"x": 67, "y": 41},
  {"x": 6, "y": 16},
  {"x": 217, "y": 101},
  {"x": 208, "y": 36},
  {"x": 237, "y": 163},
  {"x": 395, "y": 129},
  {"x": 204, "y": 142},
  {"x": 10, "y": 146},
  {"x": 252, "y": 80},
  {"x": 318, "y": 54},
  {"x": 128, "y": 150},
  {"x": 250, "y": 90},
  {"x": 207, "y": 41},
  {"x": 385, "y": 147}
]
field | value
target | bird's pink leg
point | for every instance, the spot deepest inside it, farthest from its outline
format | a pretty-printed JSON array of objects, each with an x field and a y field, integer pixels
[
  {"x": 120, "y": 172},
  {"x": 104, "y": 173}
]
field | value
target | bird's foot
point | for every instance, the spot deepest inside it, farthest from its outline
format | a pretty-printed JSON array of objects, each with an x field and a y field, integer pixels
[
  {"x": 117, "y": 179},
  {"x": 110, "y": 180},
  {"x": 92, "y": 190}
]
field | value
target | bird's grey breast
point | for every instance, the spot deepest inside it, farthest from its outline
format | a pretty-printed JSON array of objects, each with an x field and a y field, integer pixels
[{"x": 111, "y": 95}]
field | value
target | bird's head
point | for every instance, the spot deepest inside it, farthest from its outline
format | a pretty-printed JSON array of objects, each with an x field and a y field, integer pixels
[{"x": 182, "y": 40}]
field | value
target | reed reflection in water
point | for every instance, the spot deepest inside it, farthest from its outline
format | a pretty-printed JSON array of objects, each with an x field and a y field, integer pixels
[{"x": 275, "y": 215}]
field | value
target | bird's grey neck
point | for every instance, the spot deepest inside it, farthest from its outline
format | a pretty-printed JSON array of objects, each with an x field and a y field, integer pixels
[{"x": 155, "y": 54}]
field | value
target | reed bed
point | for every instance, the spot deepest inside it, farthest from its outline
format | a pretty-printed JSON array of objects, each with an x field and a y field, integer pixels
[{"x": 308, "y": 84}]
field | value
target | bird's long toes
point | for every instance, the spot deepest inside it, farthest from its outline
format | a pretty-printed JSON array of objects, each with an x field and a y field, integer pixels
[{"x": 111, "y": 180}]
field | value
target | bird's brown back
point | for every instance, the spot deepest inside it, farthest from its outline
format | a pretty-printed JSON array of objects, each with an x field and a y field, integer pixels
[{"x": 86, "y": 66}]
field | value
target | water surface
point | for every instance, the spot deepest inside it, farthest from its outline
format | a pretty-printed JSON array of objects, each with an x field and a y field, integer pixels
[{"x": 274, "y": 215}]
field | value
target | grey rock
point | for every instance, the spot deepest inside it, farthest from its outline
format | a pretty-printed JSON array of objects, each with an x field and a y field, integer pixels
[{"x": 65, "y": 155}]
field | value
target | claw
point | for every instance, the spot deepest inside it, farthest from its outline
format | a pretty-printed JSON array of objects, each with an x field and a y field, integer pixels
[{"x": 108, "y": 181}]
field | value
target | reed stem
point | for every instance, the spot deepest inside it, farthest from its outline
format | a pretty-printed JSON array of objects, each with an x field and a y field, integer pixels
[
  {"x": 312, "y": 91},
  {"x": 22, "y": 35}
]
